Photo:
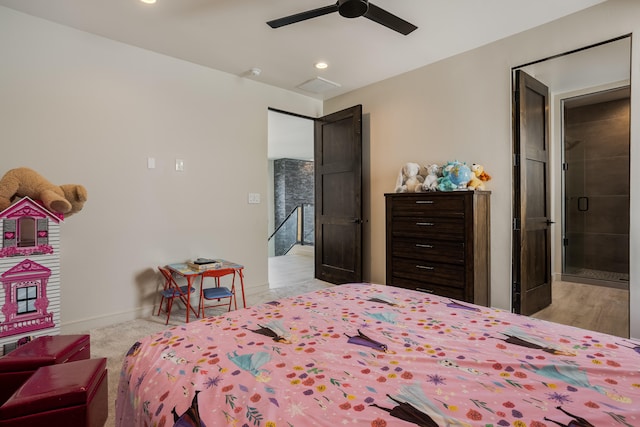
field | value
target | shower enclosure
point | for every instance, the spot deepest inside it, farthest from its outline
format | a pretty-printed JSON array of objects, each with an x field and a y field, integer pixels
[{"x": 596, "y": 188}]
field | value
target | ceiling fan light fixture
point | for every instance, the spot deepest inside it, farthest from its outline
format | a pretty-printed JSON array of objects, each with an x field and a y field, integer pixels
[{"x": 352, "y": 8}]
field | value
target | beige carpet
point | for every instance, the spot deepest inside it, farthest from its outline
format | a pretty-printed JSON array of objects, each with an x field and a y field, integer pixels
[{"x": 114, "y": 341}]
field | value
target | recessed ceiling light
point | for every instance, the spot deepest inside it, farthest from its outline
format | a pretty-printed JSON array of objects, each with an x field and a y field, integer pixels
[
  {"x": 321, "y": 65},
  {"x": 148, "y": 1}
]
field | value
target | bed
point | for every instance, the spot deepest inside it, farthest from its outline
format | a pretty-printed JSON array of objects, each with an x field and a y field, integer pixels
[{"x": 373, "y": 355}]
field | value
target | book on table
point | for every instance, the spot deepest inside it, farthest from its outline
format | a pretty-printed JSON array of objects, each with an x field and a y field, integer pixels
[{"x": 201, "y": 264}]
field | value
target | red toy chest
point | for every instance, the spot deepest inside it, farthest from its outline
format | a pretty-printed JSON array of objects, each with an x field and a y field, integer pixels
[
  {"x": 72, "y": 394},
  {"x": 17, "y": 366}
]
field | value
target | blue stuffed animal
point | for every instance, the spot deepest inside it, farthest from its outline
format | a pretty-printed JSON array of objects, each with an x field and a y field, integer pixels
[{"x": 455, "y": 175}]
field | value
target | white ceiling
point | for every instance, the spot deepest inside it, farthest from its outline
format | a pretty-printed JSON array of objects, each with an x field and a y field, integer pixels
[{"x": 232, "y": 35}]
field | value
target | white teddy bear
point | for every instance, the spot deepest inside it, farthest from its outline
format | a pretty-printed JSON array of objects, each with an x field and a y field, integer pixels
[
  {"x": 409, "y": 179},
  {"x": 430, "y": 183}
]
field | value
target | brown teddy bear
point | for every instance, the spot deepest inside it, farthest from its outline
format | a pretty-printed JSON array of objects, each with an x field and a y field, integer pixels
[
  {"x": 479, "y": 177},
  {"x": 20, "y": 182}
]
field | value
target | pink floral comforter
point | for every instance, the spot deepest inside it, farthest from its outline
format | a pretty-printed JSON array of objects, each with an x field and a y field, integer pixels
[{"x": 372, "y": 355}]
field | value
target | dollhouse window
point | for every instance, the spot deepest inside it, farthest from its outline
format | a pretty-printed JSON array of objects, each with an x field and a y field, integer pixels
[
  {"x": 26, "y": 299},
  {"x": 26, "y": 232}
]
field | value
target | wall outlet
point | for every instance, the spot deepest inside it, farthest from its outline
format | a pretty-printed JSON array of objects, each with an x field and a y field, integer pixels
[{"x": 254, "y": 198}]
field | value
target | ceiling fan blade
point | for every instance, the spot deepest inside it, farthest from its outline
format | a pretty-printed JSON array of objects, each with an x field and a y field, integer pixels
[
  {"x": 389, "y": 20},
  {"x": 303, "y": 16}
]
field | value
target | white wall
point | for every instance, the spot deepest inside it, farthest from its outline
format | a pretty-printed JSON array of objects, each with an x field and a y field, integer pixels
[
  {"x": 460, "y": 108},
  {"x": 83, "y": 109}
]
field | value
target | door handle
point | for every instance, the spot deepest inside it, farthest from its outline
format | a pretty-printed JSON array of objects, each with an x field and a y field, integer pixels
[
  {"x": 583, "y": 204},
  {"x": 356, "y": 221},
  {"x": 549, "y": 222}
]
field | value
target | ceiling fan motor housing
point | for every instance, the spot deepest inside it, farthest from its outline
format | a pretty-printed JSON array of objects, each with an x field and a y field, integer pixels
[{"x": 352, "y": 8}]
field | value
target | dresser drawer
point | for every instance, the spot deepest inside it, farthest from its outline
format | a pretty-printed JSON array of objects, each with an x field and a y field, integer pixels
[
  {"x": 428, "y": 250},
  {"x": 439, "y": 227},
  {"x": 444, "y": 291},
  {"x": 428, "y": 205},
  {"x": 429, "y": 272}
]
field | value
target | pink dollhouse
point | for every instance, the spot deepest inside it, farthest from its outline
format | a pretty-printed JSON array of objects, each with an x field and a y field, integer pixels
[{"x": 29, "y": 272}]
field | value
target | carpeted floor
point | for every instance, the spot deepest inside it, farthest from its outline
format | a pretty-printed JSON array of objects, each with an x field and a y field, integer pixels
[{"x": 114, "y": 341}]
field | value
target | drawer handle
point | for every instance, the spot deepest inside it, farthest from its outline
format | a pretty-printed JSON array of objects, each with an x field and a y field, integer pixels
[
  {"x": 425, "y": 267},
  {"x": 420, "y": 245},
  {"x": 427, "y": 224},
  {"x": 424, "y": 202},
  {"x": 429, "y": 291}
]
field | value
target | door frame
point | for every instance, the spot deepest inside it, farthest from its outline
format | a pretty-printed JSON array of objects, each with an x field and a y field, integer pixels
[
  {"x": 555, "y": 160},
  {"x": 271, "y": 214},
  {"x": 359, "y": 271}
]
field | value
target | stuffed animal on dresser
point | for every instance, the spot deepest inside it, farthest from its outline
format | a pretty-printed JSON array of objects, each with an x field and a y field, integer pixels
[
  {"x": 409, "y": 179},
  {"x": 479, "y": 177},
  {"x": 434, "y": 171},
  {"x": 455, "y": 176}
]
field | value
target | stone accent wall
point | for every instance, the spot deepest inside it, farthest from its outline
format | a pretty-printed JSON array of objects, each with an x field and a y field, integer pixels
[{"x": 293, "y": 186}]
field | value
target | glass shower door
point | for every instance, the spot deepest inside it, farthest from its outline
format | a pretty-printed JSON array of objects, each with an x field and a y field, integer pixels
[{"x": 596, "y": 188}]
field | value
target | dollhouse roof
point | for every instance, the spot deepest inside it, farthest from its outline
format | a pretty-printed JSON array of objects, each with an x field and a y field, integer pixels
[
  {"x": 28, "y": 207},
  {"x": 27, "y": 266}
]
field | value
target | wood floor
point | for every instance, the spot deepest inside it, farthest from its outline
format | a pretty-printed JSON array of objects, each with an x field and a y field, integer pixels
[
  {"x": 597, "y": 308},
  {"x": 291, "y": 274},
  {"x": 592, "y": 307},
  {"x": 295, "y": 268}
]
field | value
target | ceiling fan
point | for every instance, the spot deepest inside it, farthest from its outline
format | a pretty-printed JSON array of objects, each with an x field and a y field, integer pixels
[{"x": 350, "y": 9}]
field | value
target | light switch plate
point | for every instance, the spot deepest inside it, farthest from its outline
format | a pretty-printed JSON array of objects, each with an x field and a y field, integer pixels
[
  {"x": 254, "y": 198},
  {"x": 179, "y": 165}
]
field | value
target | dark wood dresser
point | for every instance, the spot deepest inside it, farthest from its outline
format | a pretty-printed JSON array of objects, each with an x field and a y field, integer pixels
[{"x": 439, "y": 242}]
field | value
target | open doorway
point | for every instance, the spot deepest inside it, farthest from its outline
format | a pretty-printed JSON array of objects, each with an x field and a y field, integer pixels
[
  {"x": 574, "y": 80},
  {"x": 290, "y": 199},
  {"x": 334, "y": 199}
]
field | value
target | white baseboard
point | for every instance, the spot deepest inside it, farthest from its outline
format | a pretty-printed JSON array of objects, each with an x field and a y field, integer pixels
[
  {"x": 87, "y": 324},
  {"x": 84, "y": 325}
]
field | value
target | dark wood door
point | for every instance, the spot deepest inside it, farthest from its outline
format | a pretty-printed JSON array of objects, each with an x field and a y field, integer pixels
[
  {"x": 531, "y": 223},
  {"x": 338, "y": 196}
]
